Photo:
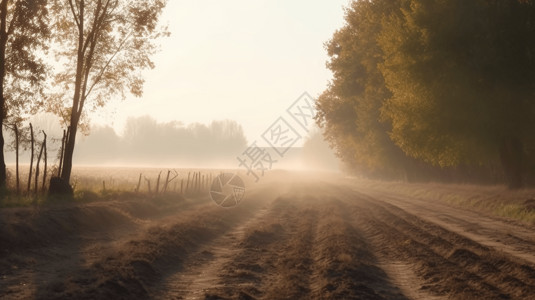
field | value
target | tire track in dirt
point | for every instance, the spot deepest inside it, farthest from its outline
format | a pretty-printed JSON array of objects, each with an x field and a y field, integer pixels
[
  {"x": 201, "y": 272},
  {"x": 263, "y": 252},
  {"x": 138, "y": 262},
  {"x": 346, "y": 266},
  {"x": 397, "y": 268},
  {"x": 274, "y": 261},
  {"x": 449, "y": 264},
  {"x": 305, "y": 248},
  {"x": 404, "y": 278},
  {"x": 291, "y": 274},
  {"x": 510, "y": 237}
]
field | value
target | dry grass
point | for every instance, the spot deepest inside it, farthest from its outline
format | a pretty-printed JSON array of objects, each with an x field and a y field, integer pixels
[
  {"x": 92, "y": 183},
  {"x": 495, "y": 200}
]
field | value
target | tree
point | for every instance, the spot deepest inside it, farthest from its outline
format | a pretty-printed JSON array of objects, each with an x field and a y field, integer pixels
[
  {"x": 349, "y": 110},
  {"x": 462, "y": 78},
  {"x": 23, "y": 35},
  {"x": 104, "y": 46},
  {"x": 147, "y": 141},
  {"x": 433, "y": 87}
]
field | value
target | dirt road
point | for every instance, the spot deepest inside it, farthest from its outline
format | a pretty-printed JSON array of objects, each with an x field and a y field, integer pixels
[{"x": 305, "y": 238}]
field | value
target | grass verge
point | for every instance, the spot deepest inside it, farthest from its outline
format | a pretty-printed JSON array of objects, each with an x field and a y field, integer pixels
[{"x": 495, "y": 200}]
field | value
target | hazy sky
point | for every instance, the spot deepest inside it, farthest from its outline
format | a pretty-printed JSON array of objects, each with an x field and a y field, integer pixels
[{"x": 245, "y": 60}]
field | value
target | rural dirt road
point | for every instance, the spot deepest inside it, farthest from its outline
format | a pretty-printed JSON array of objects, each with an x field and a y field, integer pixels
[{"x": 293, "y": 237}]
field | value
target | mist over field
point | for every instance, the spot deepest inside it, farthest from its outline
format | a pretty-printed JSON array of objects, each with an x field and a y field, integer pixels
[
  {"x": 145, "y": 142},
  {"x": 259, "y": 150}
]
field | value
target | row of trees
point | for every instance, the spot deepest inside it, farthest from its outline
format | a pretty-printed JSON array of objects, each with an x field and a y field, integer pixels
[
  {"x": 70, "y": 56},
  {"x": 434, "y": 88},
  {"x": 146, "y": 141}
]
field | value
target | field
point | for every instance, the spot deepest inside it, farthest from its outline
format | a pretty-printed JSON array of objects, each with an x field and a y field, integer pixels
[{"x": 294, "y": 236}]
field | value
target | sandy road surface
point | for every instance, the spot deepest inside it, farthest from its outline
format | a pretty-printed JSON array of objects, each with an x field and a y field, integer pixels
[{"x": 291, "y": 238}]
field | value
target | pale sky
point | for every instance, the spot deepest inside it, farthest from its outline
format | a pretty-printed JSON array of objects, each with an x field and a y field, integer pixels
[{"x": 245, "y": 60}]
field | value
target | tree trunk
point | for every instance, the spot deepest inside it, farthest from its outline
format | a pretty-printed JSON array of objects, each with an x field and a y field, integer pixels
[
  {"x": 67, "y": 155},
  {"x": 511, "y": 155},
  {"x": 16, "y": 128},
  {"x": 3, "y": 174},
  {"x": 46, "y": 162},
  {"x": 77, "y": 100},
  {"x": 3, "y": 43},
  {"x": 61, "y": 151},
  {"x": 61, "y": 185}
]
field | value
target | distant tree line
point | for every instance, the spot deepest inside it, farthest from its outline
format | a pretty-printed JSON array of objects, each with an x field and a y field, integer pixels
[
  {"x": 146, "y": 141},
  {"x": 434, "y": 90}
]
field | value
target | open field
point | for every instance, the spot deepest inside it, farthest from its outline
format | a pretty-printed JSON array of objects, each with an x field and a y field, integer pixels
[
  {"x": 93, "y": 182},
  {"x": 115, "y": 178},
  {"x": 295, "y": 236}
]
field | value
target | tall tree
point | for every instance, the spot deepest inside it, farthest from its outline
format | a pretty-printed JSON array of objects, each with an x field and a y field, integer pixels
[
  {"x": 23, "y": 32},
  {"x": 104, "y": 46},
  {"x": 349, "y": 110},
  {"x": 462, "y": 77},
  {"x": 433, "y": 86}
]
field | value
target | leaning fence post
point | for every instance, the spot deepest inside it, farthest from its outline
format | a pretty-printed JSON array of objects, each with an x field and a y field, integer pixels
[{"x": 138, "y": 183}]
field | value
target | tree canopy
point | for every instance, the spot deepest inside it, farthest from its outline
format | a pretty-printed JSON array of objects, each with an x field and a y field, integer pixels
[
  {"x": 441, "y": 84},
  {"x": 23, "y": 35},
  {"x": 104, "y": 44}
]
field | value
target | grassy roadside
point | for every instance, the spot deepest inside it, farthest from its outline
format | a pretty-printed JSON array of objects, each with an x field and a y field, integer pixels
[
  {"x": 11, "y": 199},
  {"x": 96, "y": 183},
  {"x": 494, "y": 200}
]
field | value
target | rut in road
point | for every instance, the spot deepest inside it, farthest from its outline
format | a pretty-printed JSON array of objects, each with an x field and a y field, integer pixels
[
  {"x": 504, "y": 235},
  {"x": 200, "y": 273},
  {"x": 255, "y": 271},
  {"x": 447, "y": 263},
  {"x": 305, "y": 248},
  {"x": 346, "y": 264}
]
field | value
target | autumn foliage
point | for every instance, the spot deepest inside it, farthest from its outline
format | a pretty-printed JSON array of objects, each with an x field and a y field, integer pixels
[{"x": 434, "y": 90}]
